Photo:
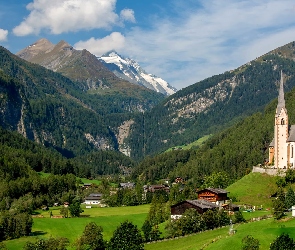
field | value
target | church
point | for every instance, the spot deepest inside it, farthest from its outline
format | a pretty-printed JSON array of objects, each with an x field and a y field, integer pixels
[{"x": 281, "y": 149}]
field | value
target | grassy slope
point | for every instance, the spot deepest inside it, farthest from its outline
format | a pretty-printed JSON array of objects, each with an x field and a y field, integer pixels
[
  {"x": 254, "y": 188},
  {"x": 196, "y": 143},
  {"x": 265, "y": 231}
]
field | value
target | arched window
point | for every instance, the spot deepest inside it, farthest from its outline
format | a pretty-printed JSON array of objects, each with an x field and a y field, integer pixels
[
  {"x": 292, "y": 152},
  {"x": 282, "y": 121}
]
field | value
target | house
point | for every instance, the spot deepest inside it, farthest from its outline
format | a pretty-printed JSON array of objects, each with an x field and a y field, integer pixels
[
  {"x": 154, "y": 188},
  {"x": 215, "y": 195},
  {"x": 87, "y": 185},
  {"x": 93, "y": 199},
  {"x": 129, "y": 185},
  {"x": 200, "y": 205}
]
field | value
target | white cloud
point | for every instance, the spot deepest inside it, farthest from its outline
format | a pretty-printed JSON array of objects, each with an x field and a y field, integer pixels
[
  {"x": 211, "y": 37},
  {"x": 115, "y": 41},
  {"x": 59, "y": 16},
  {"x": 3, "y": 34},
  {"x": 127, "y": 15}
]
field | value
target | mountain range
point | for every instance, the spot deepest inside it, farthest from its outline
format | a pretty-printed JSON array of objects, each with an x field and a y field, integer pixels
[
  {"x": 79, "y": 106},
  {"x": 131, "y": 71},
  {"x": 94, "y": 73}
]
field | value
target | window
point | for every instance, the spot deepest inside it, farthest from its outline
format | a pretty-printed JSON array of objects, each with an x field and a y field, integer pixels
[
  {"x": 292, "y": 151},
  {"x": 282, "y": 121}
]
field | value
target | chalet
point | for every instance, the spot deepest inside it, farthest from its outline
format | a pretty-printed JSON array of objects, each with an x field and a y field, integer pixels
[
  {"x": 215, "y": 195},
  {"x": 200, "y": 205},
  {"x": 93, "y": 199},
  {"x": 154, "y": 188}
]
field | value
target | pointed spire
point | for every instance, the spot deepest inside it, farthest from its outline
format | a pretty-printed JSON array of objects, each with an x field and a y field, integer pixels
[{"x": 281, "y": 98}]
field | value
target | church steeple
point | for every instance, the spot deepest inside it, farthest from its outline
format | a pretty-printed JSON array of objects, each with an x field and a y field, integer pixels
[{"x": 281, "y": 98}]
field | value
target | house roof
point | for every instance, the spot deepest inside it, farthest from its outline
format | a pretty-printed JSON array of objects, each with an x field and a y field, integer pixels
[
  {"x": 203, "y": 204},
  {"x": 94, "y": 196},
  {"x": 215, "y": 190},
  {"x": 127, "y": 184},
  {"x": 291, "y": 137}
]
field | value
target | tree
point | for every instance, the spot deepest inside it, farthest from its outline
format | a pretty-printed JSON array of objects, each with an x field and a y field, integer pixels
[
  {"x": 283, "y": 242},
  {"x": 290, "y": 198},
  {"x": 49, "y": 244},
  {"x": 92, "y": 236},
  {"x": 239, "y": 217},
  {"x": 75, "y": 209},
  {"x": 3, "y": 246},
  {"x": 216, "y": 180},
  {"x": 279, "y": 205},
  {"x": 150, "y": 232},
  {"x": 249, "y": 243},
  {"x": 126, "y": 237},
  {"x": 64, "y": 211}
]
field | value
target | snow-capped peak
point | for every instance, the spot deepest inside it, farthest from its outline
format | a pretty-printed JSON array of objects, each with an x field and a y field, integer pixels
[{"x": 131, "y": 71}]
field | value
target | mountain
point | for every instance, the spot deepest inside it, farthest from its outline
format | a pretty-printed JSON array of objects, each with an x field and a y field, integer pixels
[
  {"x": 49, "y": 108},
  {"x": 213, "y": 104},
  {"x": 78, "y": 65},
  {"x": 131, "y": 71}
]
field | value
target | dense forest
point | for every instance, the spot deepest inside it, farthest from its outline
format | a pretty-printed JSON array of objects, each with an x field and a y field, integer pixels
[
  {"x": 234, "y": 151},
  {"x": 51, "y": 109},
  {"x": 243, "y": 92}
]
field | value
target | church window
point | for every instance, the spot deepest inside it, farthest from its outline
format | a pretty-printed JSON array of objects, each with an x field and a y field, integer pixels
[
  {"x": 292, "y": 151},
  {"x": 282, "y": 121}
]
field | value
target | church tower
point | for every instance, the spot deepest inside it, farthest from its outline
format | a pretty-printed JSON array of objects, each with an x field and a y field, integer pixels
[{"x": 281, "y": 132}]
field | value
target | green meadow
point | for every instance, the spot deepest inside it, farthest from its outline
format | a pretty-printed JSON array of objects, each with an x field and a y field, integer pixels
[
  {"x": 265, "y": 231},
  {"x": 254, "y": 189},
  {"x": 108, "y": 218}
]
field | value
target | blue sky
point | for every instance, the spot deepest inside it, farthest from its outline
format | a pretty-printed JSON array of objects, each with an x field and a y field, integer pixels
[{"x": 181, "y": 41}]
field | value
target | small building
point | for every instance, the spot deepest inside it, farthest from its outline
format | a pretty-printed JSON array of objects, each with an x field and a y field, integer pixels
[
  {"x": 154, "y": 188},
  {"x": 215, "y": 195},
  {"x": 200, "y": 205},
  {"x": 93, "y": 199},
  {"x": 129, "y": 185}
]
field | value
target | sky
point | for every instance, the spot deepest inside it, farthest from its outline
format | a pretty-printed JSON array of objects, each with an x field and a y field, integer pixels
[{"x": 180, "y": 41}]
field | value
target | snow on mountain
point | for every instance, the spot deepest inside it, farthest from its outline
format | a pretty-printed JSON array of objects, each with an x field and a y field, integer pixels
[{"x": 131, "y": 71}]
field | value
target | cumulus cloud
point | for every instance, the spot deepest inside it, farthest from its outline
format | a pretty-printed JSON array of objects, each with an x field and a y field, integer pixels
[
  {"x": 59, "y": 16},
  {"x": 115, "y": 41},
  {"x": 127, "y": 15},
  {"x": 210, "y": 37},
  {"x": 3, "y": 34}
]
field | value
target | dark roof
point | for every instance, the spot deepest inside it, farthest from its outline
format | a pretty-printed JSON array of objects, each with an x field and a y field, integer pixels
[
  {"x": 94, "y": 196},
  {"x": 291, "y": 137},
  {"x": 203, "y": 204},
  {"x": 215, "y": 190},
  {"x": 281, "y": 98}
]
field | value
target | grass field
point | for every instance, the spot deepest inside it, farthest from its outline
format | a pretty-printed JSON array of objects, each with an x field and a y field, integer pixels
[
  {"x": 84, "y": 180},
  {"x": 108, "y": 218},
  {"x": 254, "y": 189},
  {"x": 196, "y": 143},
  {"x": 265, "y": 231}
]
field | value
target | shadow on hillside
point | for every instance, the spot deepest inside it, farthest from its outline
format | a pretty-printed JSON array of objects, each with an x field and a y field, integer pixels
[{"x": 38, "y": 233}]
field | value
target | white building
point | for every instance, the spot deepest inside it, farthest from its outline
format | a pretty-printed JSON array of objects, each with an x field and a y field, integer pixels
[
  {"x": 93, "y": 199},
  {"x": 281, "y": 149}
]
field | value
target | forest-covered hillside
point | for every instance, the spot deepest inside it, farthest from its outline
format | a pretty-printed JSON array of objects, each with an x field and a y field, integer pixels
[
  {"x": 209, "y": 106},
  {"x": 49, "y": 108},
  {"x": 234, "y": 151}
]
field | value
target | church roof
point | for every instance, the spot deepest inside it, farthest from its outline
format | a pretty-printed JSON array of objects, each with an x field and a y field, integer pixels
[
  {"x": 281, "y": 98},
  {"x": 291, "y": 137}
]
